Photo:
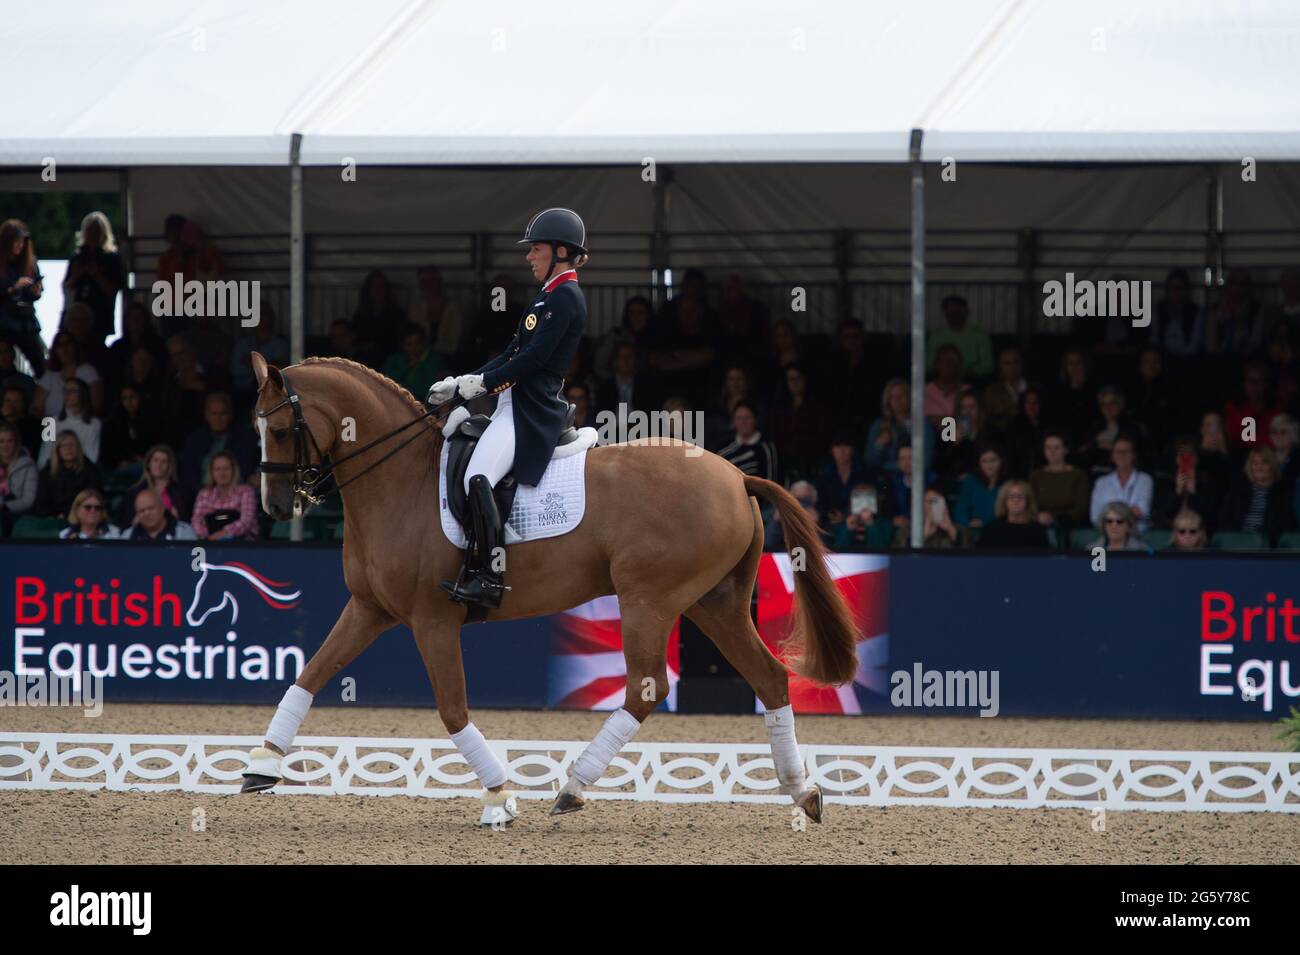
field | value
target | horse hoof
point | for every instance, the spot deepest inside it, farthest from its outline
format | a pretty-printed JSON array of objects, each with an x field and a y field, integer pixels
[
  {"x": 254, "y": 783},
  {"x": 811, "y": 803},
  {"x": 499, "y": 810},
  {"x": 567, "y": 802}
]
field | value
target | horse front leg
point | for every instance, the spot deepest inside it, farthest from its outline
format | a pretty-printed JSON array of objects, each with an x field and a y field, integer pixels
[
  {"x": 357, "y": 627},
  {"x": 439, "y": 643}
]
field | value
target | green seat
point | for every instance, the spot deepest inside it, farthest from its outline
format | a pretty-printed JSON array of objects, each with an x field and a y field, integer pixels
[
  {"x": 1158, "y": 539},
  {"x": 1238, "y": 540},
  {"x": 338, "y": 531},
  {"x": 30, "y": 527},
  {"x": 1081, "y": 537},
  {"x": 1289, "y": 541}
]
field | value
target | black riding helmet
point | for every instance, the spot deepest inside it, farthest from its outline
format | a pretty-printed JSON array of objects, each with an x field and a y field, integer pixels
[{"x": 557, "y": 227}]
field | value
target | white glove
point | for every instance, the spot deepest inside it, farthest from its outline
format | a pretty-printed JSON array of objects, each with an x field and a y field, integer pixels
[
  {"x": 443, "y": 391},
  {"x": 471, "y": 386}
]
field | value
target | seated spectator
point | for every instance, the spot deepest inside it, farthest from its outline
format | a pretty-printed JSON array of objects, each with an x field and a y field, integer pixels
[
  {"x": 860, "y": 530},
  {"x": 88, "y": 518},
  {"x": 1119, "y": 529},
  {"x": 434, "y": 313},
  {"x": 1259, "y": 504},
  {"x": 137, "y": 332},
  {"x": 1284, "y": 358},
  {"x": 744, "y": 323},
  {"x": 1254, "y": 404},
  {"x": 1001, "y": 398},
  {"x": 219, "y": 433},
  {"x": 495, "y": 323},
  {"x": 629, "y": 386},
  {"x": 378, "y": 320},
  {"x": 1060, "y": 489},
  {"x": 212, "y": 346},
  {"x": 898, "y": 483},
  {"x": 154, "y": 522},
  {"x": 10, "y": 376},
  {"x": 226, "y": 508},
  {"x": 894, "y": 427},
  {"x": 343, "y": 341},
  {"x": 67, "y": 474},
  {"x": 1179, "y": 322},
  {"x": 1284, "y": 435},
  {"x": 748, "y": 449},
  {"x": 143, "y": 371},
  {"x": 160, "y": 476},
  {"x": 853, "y": 374},
  {"x": 1016, "y": 523},
  {"x": 189, "y": 253},
  {"x": 838, "y": 477},
  {"x": 783, "y": 349},
  {"x": 1235, "y": 326},
  {"x": 684, "y": 345},
  {"x": 1125, "y": 483},
  {"x": 65, "y": 363},
  {"x": 186, "y": 388},
  {"x": 415, "y": 367},
  {"x": 79, "y": 322},
  {"x": 261, "y": 338},
  {"x": 974, "y": 343},
  {"x": 1073, "y": 404},
  {"x": 76, "y": 417},
  {"x": 1152, "y": 399},
  {"x": 939, "y": 532},
  {"x": 942, "y": 393},
  {"x": 584, "y": 415},
  {"x": 1212, "y": 452},
  {"x": 18, "y": 479},
  {"x": 1192, "y": 487},
  {"x": 956, "y": 458},
  {"x": 800, "y": 425},
  {"x": 1189, "y": 531},
  {"x": 1025, "y": 434},
  {"x": 736, "y": 387},
  {"x": 13, "y": 411},
  {"x": 1285, "y": 312},
  {"x": 129, "y": 432},
  {"x": 1096, "y": 451},
  {"x": 977, "y": 495},
  {"x": 631, "y": 331}
]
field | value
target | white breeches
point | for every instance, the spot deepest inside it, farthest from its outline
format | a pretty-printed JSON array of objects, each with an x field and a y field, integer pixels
[{"x": 494, "y": 455}]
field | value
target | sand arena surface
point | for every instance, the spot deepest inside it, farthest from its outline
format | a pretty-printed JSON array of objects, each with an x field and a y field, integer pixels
[{"x": 91, "y": 827}]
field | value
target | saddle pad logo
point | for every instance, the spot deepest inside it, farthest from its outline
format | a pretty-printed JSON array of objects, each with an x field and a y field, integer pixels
[
  {"x": 553, "y": 510},
  {"x": 530, "y": 322}
]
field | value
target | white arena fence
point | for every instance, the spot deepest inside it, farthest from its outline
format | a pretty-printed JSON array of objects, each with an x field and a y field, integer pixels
[{"x": 673, "y": 772}]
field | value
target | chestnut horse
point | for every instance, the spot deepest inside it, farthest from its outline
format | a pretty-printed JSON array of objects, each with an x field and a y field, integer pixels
[{"x": 668, "y": 532}]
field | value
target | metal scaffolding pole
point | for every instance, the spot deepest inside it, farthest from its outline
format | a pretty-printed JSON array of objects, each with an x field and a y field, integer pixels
[
  {"x": 918, "y": 342},
  {"x": 296, "y": 274}
]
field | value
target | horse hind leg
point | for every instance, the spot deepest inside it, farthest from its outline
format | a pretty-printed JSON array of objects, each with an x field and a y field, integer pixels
[{"x": 723, "y": 615}]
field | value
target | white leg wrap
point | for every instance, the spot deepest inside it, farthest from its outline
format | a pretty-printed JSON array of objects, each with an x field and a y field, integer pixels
[
  {"x": 483, "y": 761},
  {"x": 288, "y": 717},
  {"x": 785, "y": 749},
  {"x": 613, "y": 736}
]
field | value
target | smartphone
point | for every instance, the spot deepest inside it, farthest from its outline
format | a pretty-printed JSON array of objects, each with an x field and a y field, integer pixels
[
  {"x": 863, "y": 499},
  {"x": 938, "y": 510},
  {"x": 1185, "y": 463}
]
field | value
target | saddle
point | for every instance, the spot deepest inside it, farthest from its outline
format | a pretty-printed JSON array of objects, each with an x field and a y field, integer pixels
[{"x": 460, "y": 448}]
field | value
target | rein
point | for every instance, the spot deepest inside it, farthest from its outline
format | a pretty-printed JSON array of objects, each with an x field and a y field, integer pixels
[{"x": 308, "y": 477}]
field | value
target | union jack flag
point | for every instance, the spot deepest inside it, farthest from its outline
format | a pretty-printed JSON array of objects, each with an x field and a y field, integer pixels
[{"x": 587, "y": 670}]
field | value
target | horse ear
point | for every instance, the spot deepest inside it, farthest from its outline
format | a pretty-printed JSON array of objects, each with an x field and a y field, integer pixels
[{"x": 262, "y": 371}]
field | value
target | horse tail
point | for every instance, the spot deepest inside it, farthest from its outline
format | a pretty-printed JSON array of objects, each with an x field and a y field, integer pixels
[{"x": 822, "y": 646}]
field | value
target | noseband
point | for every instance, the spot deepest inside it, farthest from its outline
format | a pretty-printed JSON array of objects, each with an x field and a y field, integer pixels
[{"x": 308, "y": 478}]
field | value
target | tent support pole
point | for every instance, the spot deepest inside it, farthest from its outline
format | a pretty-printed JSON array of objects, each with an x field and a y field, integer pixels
[
  {"x": 296, "y": 274},
  {"x": 659, "y": 238},
  {"x": 919, "y": 463}
]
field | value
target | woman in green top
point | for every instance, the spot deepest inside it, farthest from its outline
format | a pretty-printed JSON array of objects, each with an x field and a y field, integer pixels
[{"x": 1060, "y": 488}]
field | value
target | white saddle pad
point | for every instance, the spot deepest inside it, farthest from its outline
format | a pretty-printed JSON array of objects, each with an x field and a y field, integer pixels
[{"x": 552, "y": 508}]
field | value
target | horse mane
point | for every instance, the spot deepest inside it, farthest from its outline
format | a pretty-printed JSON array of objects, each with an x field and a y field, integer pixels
[{"x": 365, "y": 371}]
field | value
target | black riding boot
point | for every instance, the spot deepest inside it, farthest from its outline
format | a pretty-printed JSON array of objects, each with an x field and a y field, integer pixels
[{"x": 481, "y": 584}]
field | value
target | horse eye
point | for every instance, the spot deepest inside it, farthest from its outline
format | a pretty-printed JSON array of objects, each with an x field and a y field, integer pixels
[{"x": 280, "y": 432}]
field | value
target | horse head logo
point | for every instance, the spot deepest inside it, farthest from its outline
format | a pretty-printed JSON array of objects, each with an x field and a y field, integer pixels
[{"x": 209, "y": 597}]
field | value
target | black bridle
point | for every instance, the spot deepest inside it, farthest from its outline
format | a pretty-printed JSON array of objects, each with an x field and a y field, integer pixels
[{"x": 308, "y": 477}]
